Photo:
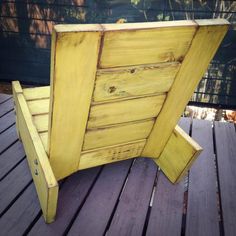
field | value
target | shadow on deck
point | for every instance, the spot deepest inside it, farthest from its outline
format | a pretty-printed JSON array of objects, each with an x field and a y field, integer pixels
[{"x": 126, "y": 198}]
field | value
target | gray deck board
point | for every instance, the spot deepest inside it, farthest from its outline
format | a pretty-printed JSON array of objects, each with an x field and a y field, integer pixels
[{"x": 115, "y": 199}]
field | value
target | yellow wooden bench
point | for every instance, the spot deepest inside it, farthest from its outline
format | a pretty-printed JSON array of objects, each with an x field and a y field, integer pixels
[{"x": 117, "y": 92}]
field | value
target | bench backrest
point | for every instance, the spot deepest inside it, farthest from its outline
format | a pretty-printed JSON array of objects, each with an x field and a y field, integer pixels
[{"x": 118, "y": 90}]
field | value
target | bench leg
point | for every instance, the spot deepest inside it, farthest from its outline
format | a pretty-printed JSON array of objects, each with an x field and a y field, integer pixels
[{"x": 178, "y": 155}]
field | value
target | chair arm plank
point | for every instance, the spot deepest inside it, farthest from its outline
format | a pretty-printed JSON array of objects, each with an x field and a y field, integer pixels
[{"x": 44, "y": 179}]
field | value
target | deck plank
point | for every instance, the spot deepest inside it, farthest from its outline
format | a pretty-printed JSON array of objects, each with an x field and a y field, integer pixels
[
  {"x": 21, "y": 214},
  {"x": 13, "y": 184},
  {"x": 7, "y": 138},
  {"x": 225, "y": 138},
  {"x": 71, "y": 197},
  {"x": 202, "y": 208},
  {"x": 96, "y": 212},
  {"x": 4, "y": 97},
  {"x": 130, "y": 215},
  {"x": 10, "y": 158},
  {"x": 7, "y": 120},
  {"x": 167, "y": 207},
  {"x": 6, "y": 107}
]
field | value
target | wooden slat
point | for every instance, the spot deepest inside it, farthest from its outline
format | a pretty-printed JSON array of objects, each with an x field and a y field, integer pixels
[
  {"x": 7, "y": 120},
  {"x": 13, "y": 184},
  {"x": 41, "y": 122},
  {"x": 71, "y": 197},
  {"x": 100, "y": 203},
  {"x": 125, "y": 111},
  {"x": 6, "y": 107},
  {"x": 8, "y": 137},
  {"x": 36, "y": 93},
  {"x": 45, "y": 182},
  {"x": 145, "y": 46},
  {"x": 117, "y": 134},
  {"x": 202, "y": 208},
  {"x": 110, "y": 154},
  {"x": 44, "y": 139},
  {"x": 37, "y": 107},
  {"x": 167, "y": 206},
  {"x": 11, "y": 157},
  {"x": 75, "y": 58},
  {"x": 203, "y": 47},
  {"x": 21, "y": 214},
  {"x": 225, "y": 138},
  {"x": 178, "y": 155},
  {"x": 134, "y": 81},
  {"x": 4, "y": 97},
  {"x": 130, "y": 215}
]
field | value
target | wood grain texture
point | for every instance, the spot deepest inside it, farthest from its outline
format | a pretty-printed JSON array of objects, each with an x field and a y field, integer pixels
[
  {"x": 70, "y": 100},
  {"x": 145, "y": 46},
  {"x": 111, "y": 154},
  {"x": 130, "y": 214},
  {"x": 134, "y": 81},
  {"x": 36, "y": 93},
  {"x": 117, "y": 134},
  {"x": 203, "y": 47},
  {"x": 125, "y": 111},
  {"x": 202, "y": 207},
  {"x": 100, "y": 203},
  {"x": 72, "y": 195},
  {"x": 178, "y": 155},
  {"x": 225, "y": 140},
  {"x": 45, "y": 182}
]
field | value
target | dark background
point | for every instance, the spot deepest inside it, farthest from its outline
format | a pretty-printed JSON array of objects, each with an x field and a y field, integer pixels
[{"x": 25, "y": 28}]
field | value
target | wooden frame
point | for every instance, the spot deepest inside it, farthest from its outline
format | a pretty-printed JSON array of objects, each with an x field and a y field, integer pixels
[{"x": 120, "y": 107}]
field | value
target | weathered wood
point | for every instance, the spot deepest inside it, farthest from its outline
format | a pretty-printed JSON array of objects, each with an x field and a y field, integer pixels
[
  {"x": 225, "y": 140},
  {"x": 36, "y": 93},
  {"x": 131, "y": 212},
  {"x": 10, "y": 158},
  {"x": 72, "y": 195},
  {"x": 145, "y": 46},
  {"x": 117, "y": 134},
  {"x": 110, "y": 154},
  {"x": 178, "y": 155},
  {"x": 21, "y": 214},
  {"x": 126, "y": 82},
  {"x": 203, "y": 47},
  {"x": 100, "y": 203},
  {"x": 7, "y": 120},
  {"x": 13, "y": 184},
  {"x": 125, "y": 111},
  {"x": 74, "y": 52},
  {"x": 4, "y": 97},
  {"x": 6, "y": 107},
  {"x": 45, "y": 182},
  {"x": 7, "y": 138},
  {"x": 168, "y": 202},
  {"x": 202, "y": 208}
]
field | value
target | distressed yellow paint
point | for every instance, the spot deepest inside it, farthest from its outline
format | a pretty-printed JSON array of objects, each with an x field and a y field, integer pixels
[
  {"x": 145, "y": 46},
  {"x": 44, "y": 179},
  {"x": 111, "y": 154},
  {"x": 125, "y": 111},
  {"x": 117, "y": 134},
  {"x": 134, "y": 81},
  {"x": 178, "y": 155},
  {"x": 75, "y": 62},
  {"x": 203, "y": 48}
]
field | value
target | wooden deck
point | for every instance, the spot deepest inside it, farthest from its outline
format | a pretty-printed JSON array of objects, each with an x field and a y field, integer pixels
[{"x": 127, "y": 198}]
